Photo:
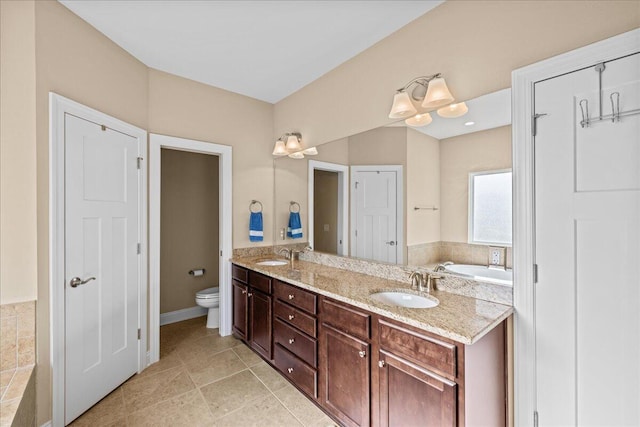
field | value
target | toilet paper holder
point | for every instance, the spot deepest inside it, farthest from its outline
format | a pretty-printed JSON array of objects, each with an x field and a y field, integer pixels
[{"x": 197, "y": 272}]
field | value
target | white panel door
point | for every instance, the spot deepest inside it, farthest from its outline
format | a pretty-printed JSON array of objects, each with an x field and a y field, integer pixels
[
  {"x": 587, "y": 299},
  {"x": 101, "y": 238},
  {"x": 375, "y": 215}
]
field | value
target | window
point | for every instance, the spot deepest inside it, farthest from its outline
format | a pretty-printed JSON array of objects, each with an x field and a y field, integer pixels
[{"x": 490, "y": 207}]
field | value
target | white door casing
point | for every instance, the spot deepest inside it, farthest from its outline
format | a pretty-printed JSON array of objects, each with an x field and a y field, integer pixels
[
  {"x": 101, "y": 317},
  {"x": 376, "y": 213},
  {"x": 523, "y": 202},
  {"x": 224, "y": 152},
  {"x": 343, "y": 202},
  {"x": 101, "y": 247},
  {"x": 587, "y": 192}
]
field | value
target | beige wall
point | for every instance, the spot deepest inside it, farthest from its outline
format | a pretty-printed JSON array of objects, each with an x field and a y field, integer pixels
[
  {"x": 474, "y": 152},
  {"x": 188, "y": 109},
  {"x": 423, "y": 188},
  {"x": 189, "y": 227},
  {"x": 475, "y": 44},
  {"x": 291, "y": 176},
  {"x": 18, "y": 239},
  {"x": 382, "y": 146},
  {"x": 325, "y": 202}
]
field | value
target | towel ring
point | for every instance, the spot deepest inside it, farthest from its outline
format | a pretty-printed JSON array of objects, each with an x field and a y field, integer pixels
[
  {"x": 291, "y": 207},
  {"x": 255, "y": 202}
]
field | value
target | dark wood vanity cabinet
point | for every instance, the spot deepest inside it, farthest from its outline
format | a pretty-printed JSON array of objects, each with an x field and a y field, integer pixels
[
  {"x": 364, "y": 369},
  {"x": 252, "y": 310},
  {"x": 345, "y": 363},
  {"x": 417, "y": 378},
  {"x": 295, "y": 336}
]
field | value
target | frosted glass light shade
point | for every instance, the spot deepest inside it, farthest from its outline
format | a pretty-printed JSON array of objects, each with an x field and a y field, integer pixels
[
  {"x": 293, "y": 144},
  {"x": 419, "y": 120},
  {"x": 310, "y": 151},
  {"x": 437, "y": 94},
  {"x": 402, "y": 106},
  {"x": 452, "y": 111},
  {"x": 279, "y": 149},
  {"x": 297, "y": 155}
]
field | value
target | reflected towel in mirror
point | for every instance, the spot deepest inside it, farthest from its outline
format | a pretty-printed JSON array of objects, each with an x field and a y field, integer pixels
[{"x": 294, "y": 230}]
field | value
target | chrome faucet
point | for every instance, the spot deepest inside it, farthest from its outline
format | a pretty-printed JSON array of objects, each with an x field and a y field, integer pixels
[
  {"x": 417, "y": 281},
  {"x": 441, "y": 267},
  {"x": 288, "y": 253},
  {"x": 430, "y": 281}
]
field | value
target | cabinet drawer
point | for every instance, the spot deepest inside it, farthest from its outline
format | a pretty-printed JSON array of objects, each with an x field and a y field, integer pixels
[
  {"x": 295, "y": 317},
  {"x": 296, "y": 370},
  {"x": 423, "y": 350},
  {"x": 260, "y": 282},
  {"x": 294, "y": 341},
  {"x": 239, "y": 273},
  {"x": 296, "y": 297},
  {"x": 346, "y": 319}
]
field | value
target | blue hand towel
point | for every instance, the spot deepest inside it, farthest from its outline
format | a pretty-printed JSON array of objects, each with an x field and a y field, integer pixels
[
  {"x": 295, "y": 226},
  {"x": 255, "y": 227}
]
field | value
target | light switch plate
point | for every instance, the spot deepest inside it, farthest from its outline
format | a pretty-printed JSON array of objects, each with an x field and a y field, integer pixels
[{"x": 326, "y": 227}]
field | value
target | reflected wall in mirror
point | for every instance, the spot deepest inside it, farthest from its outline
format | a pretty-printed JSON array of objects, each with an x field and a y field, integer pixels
[{"x": 402, "y": 194}]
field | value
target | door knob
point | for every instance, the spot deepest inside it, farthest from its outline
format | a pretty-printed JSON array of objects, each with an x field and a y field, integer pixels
[
  {"x": 76, "y": 281},
  {"x": 391, "y": 243}
]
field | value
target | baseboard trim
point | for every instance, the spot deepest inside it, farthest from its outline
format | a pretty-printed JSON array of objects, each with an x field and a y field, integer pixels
[{"x": 184, "y": 314}]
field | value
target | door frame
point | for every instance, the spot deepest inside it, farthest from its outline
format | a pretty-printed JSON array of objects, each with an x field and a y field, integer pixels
[
  {"x": 343, "y": 201},
  {"x": 399, "y": 205},
  {"x": 58, "y": 107},
  {"x": 522, "y": 82},
  {"x": 224, "y": 152}
]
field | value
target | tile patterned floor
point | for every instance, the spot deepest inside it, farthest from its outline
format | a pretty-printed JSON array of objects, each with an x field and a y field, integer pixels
[{"x": 203, "y": 379}]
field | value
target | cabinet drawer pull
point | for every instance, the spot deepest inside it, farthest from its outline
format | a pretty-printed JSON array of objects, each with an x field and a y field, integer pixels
[
  {"x": 292, "y": 340},
  {"x": 244, "y": 292},
  {"x": 249, "y": 294},
  {"x": 381, "y": 363},
  {"x": 291, "y": 317},
  {"x": 291, "y": 296},
  {"x": 362, "y": 353},
  {"x": 290, "y": 370}
]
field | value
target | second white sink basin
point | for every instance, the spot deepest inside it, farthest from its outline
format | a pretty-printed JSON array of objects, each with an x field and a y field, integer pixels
[
  {"x": 272, "y": 262},
  {"x": 404, "y": 299}
]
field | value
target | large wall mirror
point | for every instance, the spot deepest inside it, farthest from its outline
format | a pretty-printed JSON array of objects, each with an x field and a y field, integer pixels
[{"x": 413, "y": 196}]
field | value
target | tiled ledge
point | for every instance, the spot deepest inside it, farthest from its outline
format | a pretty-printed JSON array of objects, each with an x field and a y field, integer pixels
[
  {"x": 18, "y": 402},
  {"x": 17, "y": 364}
]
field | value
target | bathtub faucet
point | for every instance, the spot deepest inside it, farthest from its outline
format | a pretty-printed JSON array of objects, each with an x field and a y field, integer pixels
[{"x": 442, "y": 267}]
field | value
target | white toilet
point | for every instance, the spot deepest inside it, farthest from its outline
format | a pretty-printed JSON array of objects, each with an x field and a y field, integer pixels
[{"x": 210, "y": 298}]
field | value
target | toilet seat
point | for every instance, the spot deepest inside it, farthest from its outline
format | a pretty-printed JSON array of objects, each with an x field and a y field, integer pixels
[{"x": 209, "y": 293}]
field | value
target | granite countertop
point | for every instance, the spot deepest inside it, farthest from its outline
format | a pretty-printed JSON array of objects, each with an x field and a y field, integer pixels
[{"x": 460, "y": 318}]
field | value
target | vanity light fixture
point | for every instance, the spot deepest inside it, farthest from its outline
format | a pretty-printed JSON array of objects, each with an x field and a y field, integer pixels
[
  {"x": 432, "y": 93},
  {"x": 287, "y": 144},
  {"x": 297, "y": 155},
  {"x": 310, "y": 151},
  {"x": 470, "y": 123}
]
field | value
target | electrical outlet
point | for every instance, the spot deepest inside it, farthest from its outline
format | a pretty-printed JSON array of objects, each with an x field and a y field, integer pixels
[
  {"x": 497, "y": 256},
  {"x": 326, "y": 227}
]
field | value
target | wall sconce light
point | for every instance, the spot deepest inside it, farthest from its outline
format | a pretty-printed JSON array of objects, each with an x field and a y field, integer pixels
[
  {"x": 290, "y": 144},
  {"x": 432, "y": 93}
]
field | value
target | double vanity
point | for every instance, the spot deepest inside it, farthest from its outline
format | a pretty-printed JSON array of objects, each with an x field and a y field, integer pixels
[{"x": 371, "y": 351}]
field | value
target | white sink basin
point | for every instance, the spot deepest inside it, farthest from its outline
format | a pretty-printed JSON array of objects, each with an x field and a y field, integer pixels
[
  {"x": 272, "y": 262},
  {"x": 403, "y": 299}
]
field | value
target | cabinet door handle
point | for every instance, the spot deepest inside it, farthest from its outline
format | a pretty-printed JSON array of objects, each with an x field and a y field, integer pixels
[
  {"x": 362, "y": 353},
  {"x": 291, "y": 296},
  {"x": 292, "y": 340},
  {"x": 249, "y": 294},
  {"x": 381, "y": 363},
  {"x": 244, "y": 292},
  {"x": 291, "y": 316},
  {"x": 290, "y": 370}
]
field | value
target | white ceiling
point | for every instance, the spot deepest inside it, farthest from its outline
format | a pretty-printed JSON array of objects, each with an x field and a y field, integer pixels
[{"x": 263, "y": 49}]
